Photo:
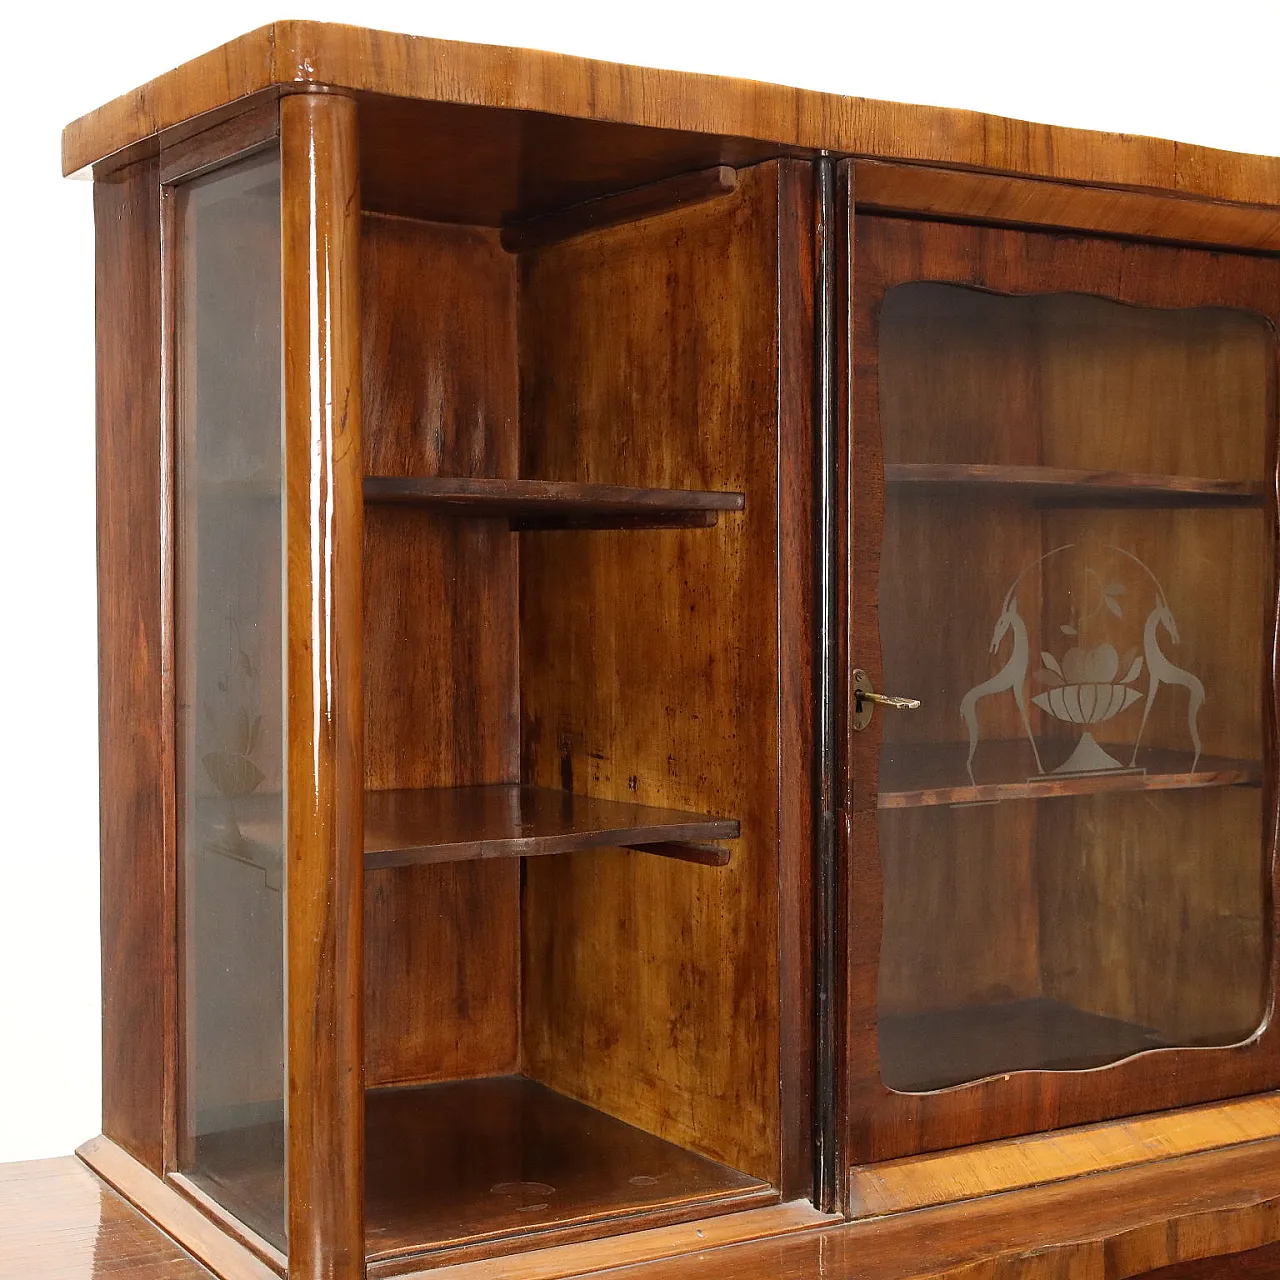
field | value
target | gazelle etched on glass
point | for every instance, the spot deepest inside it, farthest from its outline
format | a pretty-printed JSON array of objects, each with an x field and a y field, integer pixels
[{"x": 1088, "y": 684}]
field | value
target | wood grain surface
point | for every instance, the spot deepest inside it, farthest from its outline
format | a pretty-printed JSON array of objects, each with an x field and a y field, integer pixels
[
  {"x": 964, "y": 1174},
  {"x": 650, "y": 671},
  {"x": 626, "y": 206},
  {"x": 135, "y": 747},
  {"x": 383, "y": 63},
  {"x": 324, "y": 870},
  {"x": 1207, "y": 1217},
  {"x": 174, "y": 1214},
  {"x": 988, "y": 198},
  {"x": 58, "y": 1220}
]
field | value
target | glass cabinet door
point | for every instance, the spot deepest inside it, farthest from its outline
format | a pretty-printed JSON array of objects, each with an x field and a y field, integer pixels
[
  {"x": 1076, "y": 578},
  {"x": 229, "y": 638}
]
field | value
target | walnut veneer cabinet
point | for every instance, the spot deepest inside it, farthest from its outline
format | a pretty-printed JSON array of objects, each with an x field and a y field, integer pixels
[{"x": 517, "y": 475}]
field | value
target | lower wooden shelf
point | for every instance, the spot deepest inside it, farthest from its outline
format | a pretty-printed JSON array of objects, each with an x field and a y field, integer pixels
[
  {"x": 913, "y": 774},
  {"x": 926, "y": 1051},
  {"x": 450, "y": 824},
  {"x": 469, "y": 1162}
]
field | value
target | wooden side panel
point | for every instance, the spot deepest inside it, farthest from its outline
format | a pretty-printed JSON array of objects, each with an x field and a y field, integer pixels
[
  {"x": 651, "y": 671},
  {"x": 323, "y": 527},
  {"x": 137, "y": 908},
  {"x": 440, "y": 650}
]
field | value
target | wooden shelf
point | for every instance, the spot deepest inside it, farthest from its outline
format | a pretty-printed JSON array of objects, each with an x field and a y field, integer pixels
[
  {"x": 452, "y": 824},
  {"x": 555, "y": 504},
  {"x": 913, "y": 774},
  {"x": 1063, "y": 486},
  {"x": 937, "y": 1050},
  {"x": 466, "y": 1162}
]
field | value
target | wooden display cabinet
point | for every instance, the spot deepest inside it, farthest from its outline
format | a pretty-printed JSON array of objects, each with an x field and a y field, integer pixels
[{"x": 514, "y": 488}]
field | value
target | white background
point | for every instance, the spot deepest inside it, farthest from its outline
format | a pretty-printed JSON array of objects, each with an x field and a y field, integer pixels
[{"x": 1200, "y": 73}]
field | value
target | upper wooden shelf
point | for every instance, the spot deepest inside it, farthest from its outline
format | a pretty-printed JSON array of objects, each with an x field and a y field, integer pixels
[
  {"x": 454, "y": 824},
  {"x": 932, "y": 773},
  {"x": 555, "y": 504},
  {"x": 1066, "y": 486}
]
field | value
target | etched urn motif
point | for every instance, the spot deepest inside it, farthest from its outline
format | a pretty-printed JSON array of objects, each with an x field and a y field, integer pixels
[{"x": 1093, "y": 599}]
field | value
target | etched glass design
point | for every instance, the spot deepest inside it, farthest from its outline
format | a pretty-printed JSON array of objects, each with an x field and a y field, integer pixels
[{"x": 1077, "y": 559}]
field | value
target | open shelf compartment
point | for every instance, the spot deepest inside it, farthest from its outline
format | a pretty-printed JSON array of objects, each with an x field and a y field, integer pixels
[{"x": 465, "y": 1163}]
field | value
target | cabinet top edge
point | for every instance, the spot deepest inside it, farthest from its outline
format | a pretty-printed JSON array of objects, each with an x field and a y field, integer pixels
[{"x": 297, "y": 54}]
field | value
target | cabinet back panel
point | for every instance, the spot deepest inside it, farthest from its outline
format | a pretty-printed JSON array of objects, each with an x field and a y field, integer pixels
[
  {"x": 441, "y": 664},
  {"x": 651, "y": 671}
]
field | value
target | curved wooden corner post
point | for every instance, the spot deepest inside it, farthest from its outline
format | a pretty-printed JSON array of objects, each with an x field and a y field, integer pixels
[{"x": 323, "y": 544}]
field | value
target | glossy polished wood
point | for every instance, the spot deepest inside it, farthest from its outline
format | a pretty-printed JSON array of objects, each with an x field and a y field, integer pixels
[
  {"x": 454, "y": 1164},
  {"x": 382, "y": 63},
  {"x": 1068, "y": 486},
  {"x": 626, "y": 206},
  {"x": 588, "y": 1257},
  {"x": 926, "y": 773},
  {"x": 57, "y": 1220},
  {"x": 985, "y": 197},
  {"x": 1112, "y": 1226},
  {"x": 1230, "y": 820},
  {"x": 320, "y": 251},
  {"x": 453, "y": 824},
  {"x": 554, "y": 504},
  {"x": 1206, "y": 1217},
  {"x": 135, "y": 751},
  {"x": 174, "y": 1214},
  {"x": 971, "y": 1172}
]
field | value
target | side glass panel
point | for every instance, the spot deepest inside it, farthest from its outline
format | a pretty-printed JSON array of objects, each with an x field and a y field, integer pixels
[
  {"x": 230, "y": 577},
  {"x": 1076, "y": 566}
]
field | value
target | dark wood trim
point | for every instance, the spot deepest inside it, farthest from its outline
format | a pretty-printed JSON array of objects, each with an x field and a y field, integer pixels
[
  {"x": 135, "y": 778},
  {"x": 797, "y": 360},
  {"x": 154, "y": 1198},
  {"x": 825, "y": 713},
  {"x": 255, "y": 127},
  {"x": 1033, "y": 202},
  {"x": 324, "y": 866},
  {"x": 683, "y": 190},
  {"x": 857, "y": 531}
]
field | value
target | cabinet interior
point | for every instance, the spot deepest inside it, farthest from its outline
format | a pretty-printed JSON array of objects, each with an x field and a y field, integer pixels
[
  {"x": 1090, "y": 467},
  {"x": 554, "y": 1041}
]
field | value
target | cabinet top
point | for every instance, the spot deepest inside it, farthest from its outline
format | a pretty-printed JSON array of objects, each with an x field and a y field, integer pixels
[{"x": 291, "y": 55}]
